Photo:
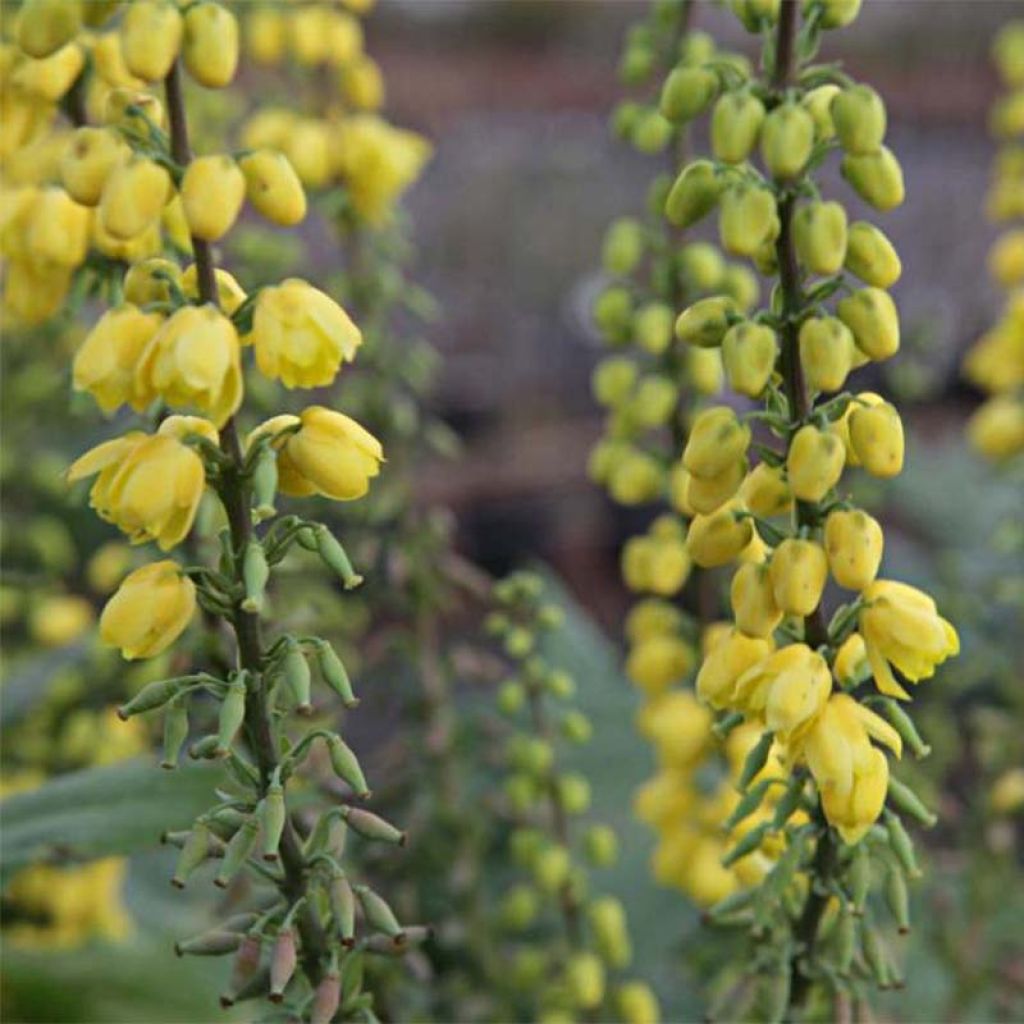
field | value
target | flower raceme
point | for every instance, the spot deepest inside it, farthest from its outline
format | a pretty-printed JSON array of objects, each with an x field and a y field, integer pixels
[
  {"x": 148, "y": 485},
  {"x": 149, "y": 611}
]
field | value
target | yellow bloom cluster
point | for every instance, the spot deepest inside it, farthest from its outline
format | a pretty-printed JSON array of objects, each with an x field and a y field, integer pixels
[
  {"x": 347, "y": 142},
  {"x": 996, "y": 362}
]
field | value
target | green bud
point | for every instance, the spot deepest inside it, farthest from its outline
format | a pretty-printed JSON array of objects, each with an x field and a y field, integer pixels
[
  {"x": 370, "y": 826},
  {"x": 574, "y": 793},
  {"x": 551, "y": 868},
  {"x": 232, "y": 714},
  {"x": 601, "y": 846},
  {"x": 705, "y": 322},
  {"x": 623, "y": 246},
  {"x": 788, "y": 803},
  {"x": 651, "y": 133},
  {"x": 875, "y": 956},
  {"x": 756, "y": 760},
  {"x": 245, "y": 969},
  {"x": 607, "y": 919},
  {"x": 787, "y": 138},
  {"x": 343, "y": 909},
  {"x": 336, "y": 558},
  {"x": 818, "y": 103},
  {"x": 203, "y": 749},
  {"x": 175, "y": 731},
  {"x": 701, "y": 266},
  {"x": 519, "y": 907},
  {"x": 194, "y": 851},
  {"x": 256, "y": 573},
  {"x": 283, "y": 961},
  {"x": 687, "y": 92},
  {"x": 902, "y": 845},
  {"x": 585, "y": 980},
  {"x": 654, "y": 402},
  {"x": 748, "y": 219},
  {"x": 238, "y": 849},
  {"x": 154, "y": 695},
  {"x": 836, "y": 13},
  {"x": 346, "y": 766},
  {"x": 217, "y": 942},
  {"x": 613, "y": 311},
  {"x": 326, "y": 999},
  {"x": 827, "y": 351},
  {"x": 522, "y": 792},
  {"x": 624, "y": 118},
  {"x": 576, "y": 727},
  {"x": 333, "y": 671},
  {"x": 749, "y": 352},
  {"x": 735, "y": 124},
  {"x": 756, "y": 14},
  {"x": 819, "y": 234},
  {"x": 859, "y": 878},
  {"x": 741, "y": 286},
  {"x": 636, "y": 65},
  {"x": 511, "y": 697},
  {"x": 876, "y": 177},
  {"x": 846, "y": 941},
  {"x": 905, "y": 799},
  {"x": 694, "y": 194},
  {"x": 295, "y": 670},
  {"x": 747, "y": 845},
  {"x": 871, "y": 256},
  {"x": 734, "y": 903},
  {"x": 264, "y": 484},
  {"x": 377, "y": 912},
  {"x": 613, "y": 380},
  {"x": 273, "y": 815},
  {"x": 652, "y": 327},
  {"x": 560, "y": 684},
  {"x": 874, "y": 321},
  {"x": 898, "y": 899},
  {"x": 749, "y": 802},
  {"x": 858, "y": 114}
]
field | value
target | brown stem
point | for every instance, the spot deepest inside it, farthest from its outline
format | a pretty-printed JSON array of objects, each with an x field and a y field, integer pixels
[{"x": 234, "y": 494}]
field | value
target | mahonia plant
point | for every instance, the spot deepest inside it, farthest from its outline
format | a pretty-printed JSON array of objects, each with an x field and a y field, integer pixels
[
  {"x": 571, "y": 948},
  {"x": 996, "y": 362},
  {"x": 821, "y": 688},
  {"x": 172, "y": 343}
]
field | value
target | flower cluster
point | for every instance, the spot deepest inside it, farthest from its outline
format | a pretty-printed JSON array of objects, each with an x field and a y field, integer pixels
[
  {"x": 996, "y": 362},
  {"x": 800, "y": 677},
  {"x": 126, "y": 190},
  {"x": 578, "y": 965}
]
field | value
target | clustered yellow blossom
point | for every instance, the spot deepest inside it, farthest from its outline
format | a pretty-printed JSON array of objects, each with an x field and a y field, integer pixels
[
  {"x": 347, "y": 142},
  {"x": 996, "y": 362}
]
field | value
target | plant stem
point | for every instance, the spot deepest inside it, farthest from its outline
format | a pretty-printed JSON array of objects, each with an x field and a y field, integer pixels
[
  {"x": 815, "y": 629},
  {"x": 234, "y": 494}
]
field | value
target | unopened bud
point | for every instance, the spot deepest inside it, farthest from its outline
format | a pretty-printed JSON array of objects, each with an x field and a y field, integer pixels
[
  {"x": 238, "y": 849},
  {"x": 378, "y": 913},
  {"x": 747, "y": 845},
  {"x": 904, "y": 725},
  {"x": 336, "y": 558},
  {"x": 705, "y": 322},
  {"x": 203, "y": 748},
  {"x": 370, "y": 826},
  {"x": 256, "y": 573},
  {"x": 175, "y": 732},
  {"x": 694, "y": 194},
  {"x": 877, "y": 178},
  {"x": 858, "y": 115},
  {"x": 343, "y": 909},
  {"x": 906, "y": 800},
  {"x": 898, "y": 899},
  {"x": 210, "y": 50},
  {"x": 232, "y": 714},
  {"x": 860, "y": 878},
  {"x": 283, "y": 961},
  {"x": 273, "y": 815},
  {"x": 326, "y": 999},
  {"x": 213, "y": 943},
  {"x": 154, "y": 695},
  {"x": 245, "y": 967},
  {"x": 787, "y": 138},
  {"x": 346, "y": 766},
  {"x": 735, "y": 125},
  {"x": 687, "y": 92},
  {"x": 333, "y": 671},
  {"x": 194, "y": 851},
  {"x": 264, "y": 484},
  {"x": 297, "y": 677},
  {"x": 755, "y": 761}
]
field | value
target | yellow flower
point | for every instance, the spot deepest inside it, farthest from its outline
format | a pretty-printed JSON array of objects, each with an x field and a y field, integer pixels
[
  {"x": 150, "y": 610},
  {"x": 194, "y": 361},
  {"x": 330, "y": 454},
  {"x": 656, "y": 662},
  {"x": 725, "y": 663},
  {"x": 853, "y": 543},
  {"x": 997, "y": 428},
  {"x": 362, "y": 83},
  {"x": 59, "y": 229},
  {"x": 378, "y": 162},
  {"x": 851, "y": 664},
  {"x": 852, "y": 775},
  {"x": 876, "y": 438},
  {"x": 49, "y": 78},
  {"x": 814, "y": 463},
  {"x": 132, "y": 198},
  {"x": 720, "y": 537},
  {"x": 1007, "y": 795},
  {"x": 766, "y": 492},
  {"x": 105, "y": 364},
  {"x": 787, "y": 690},
  {"x": 44, "y": 26},
  {"x": 264, "y": 32},
  {"x": 273, "y": 187},
  {"x": 717, "y": 441},
  {"x": 301, "y": 336},
  {"x": 59, "y": 620},
  {"x": 212, "y": 193},
  {"x": 210, "y": 49},
  {"x": 149, "y": 486},
  {"x": 637, "y": 1004},
  {"x": 901, "y": 627},
  {"x": 753, "y": 600},
  {"x": 799, "y": 571},
  {"x": 151, "y": 34},
  {"x": 230, "y": 294}
]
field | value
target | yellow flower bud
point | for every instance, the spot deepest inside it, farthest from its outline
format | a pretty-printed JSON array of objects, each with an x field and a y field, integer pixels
[
  {"x": 149, "y": 612},
  {"x": 151, "y": 34},
  {"x": 835, "y": 13},
  {"x": 876, "y": 436},
  {"x": 89, "y": 159},
  {"x": 858, "y": 114},
  {"x": 614, "y": 380},
  {"x": 826, "y": 352},
  {"x": 331, "y": 455},
  {"x": 678, "y": 491},
  {"x": 1006, "y": 260},
  {"x": 735, "y": 124},
  {"x": 876, "y": 177},
  {"x": 818, "y": 103},
  {"x": 788, "y": 690},
  {"x": 787, "y": 138},
  {"x": 694, "y": 194},
  {"x": 210, "y": 50},
  {"x": 212, "y": 193},
  {"x": 874, "y": 321},
  {"x": 748, "y": 219},
  {"x": 132, "y": 110},
  {"x": 719, "y": 538},
  {"x": 766, "y": 493},
  {"x": 32, "y": 295},
  {"x": 623, "y": 246},
  {"x": 655, "y": 401},
  {"x": 706, "y": 321},
  {"x": 109, "y": 62},
  {"x": 307, "y": 34},
  {"x": 60, "y": 620},
  {"x": 175, "y": 226},
  {"x": 657, "y": 662},
  {"x": 851, "y": 664},
  {"x": 273, "y": 187},
  {"x": 194, "y": 361},
  {"x": 607, "y": 919},
  {"x": 344, "y": 39},
  {"x": 701, "y": 265},
  {"x": 264, "y": 35},
  {"x": 651, "y": 132},
  {"x": 688, "y": 91},
  {"x": 59, "y": 229},
  {"x": 230, "y": 294},
  {"x": 814, "y": 463},
  {"x": 902, "y": 627},
  {"x": 753, "y": 600},
  {"x": 108, "y": 566},
  {"x": 819, "y": 234},
  {"x": 49, "y": 78},
  {"x": 749, "y": 352},
  {"x": 755, "y": 14},
  {"x": 308, "y": 148},
  {"x": 652, "y": 327},
  {"x": 133, "y": 197},
  {"x": 650, "y": 618},
  {"x": 1008, "y": 52},
  {"x": 704, "y": 370},
  {"x": 706, "y": 494},
  {"x": 148, "y": 281},
  {"x": 584, "y": 979},
  {"x": 871, "y": 256},
  {"x": 301, "y": 336},
  {"x": 740, "y": 284},
  {"x": 799, "y": 571},
  {"x": 635, "y": 477},
  {"x": 725, "y": 663},
  {"x": 853, "y": 543},
  {"x": 997, "y": 428},
  {"x": 718, "y": 440},
  {"x": 44, "y": 26},
  {"x": 659, "y": 565},
  {"x": 362, "y": 83},
  {"x": 105, "y": 364}
]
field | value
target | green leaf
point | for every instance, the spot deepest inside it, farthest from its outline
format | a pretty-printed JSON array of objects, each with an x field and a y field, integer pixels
[{"x": 114, "y": 810}]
